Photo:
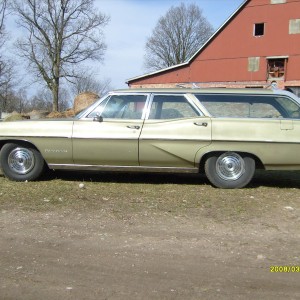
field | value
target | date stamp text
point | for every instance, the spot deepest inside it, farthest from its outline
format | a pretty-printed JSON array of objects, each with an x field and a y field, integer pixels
[{"x": 285, "y": 269}]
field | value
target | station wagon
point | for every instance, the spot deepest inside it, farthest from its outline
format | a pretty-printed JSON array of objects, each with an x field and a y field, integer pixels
[{"x": 225, "y": 133}]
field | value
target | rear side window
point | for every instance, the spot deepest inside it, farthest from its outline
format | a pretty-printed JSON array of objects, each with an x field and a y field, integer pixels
[
  {"x": 249, "y": 106},
  {"x": 171, "y": 107},
  {"x": 292, "y": 109}
]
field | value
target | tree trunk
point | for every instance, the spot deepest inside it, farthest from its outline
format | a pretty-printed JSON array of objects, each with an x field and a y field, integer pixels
[
  {"x": 59, "y": 35},
  {"x": 55, "y": 91}
]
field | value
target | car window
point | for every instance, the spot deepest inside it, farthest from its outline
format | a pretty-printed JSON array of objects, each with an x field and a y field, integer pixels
[
  {"x": 292, "y": 109},
  {"x": 121, "y": 107},
  {"x": 263, "y": 110},
  {"x": 249, "y": 106},
  {"x": 171, "y": 107}
]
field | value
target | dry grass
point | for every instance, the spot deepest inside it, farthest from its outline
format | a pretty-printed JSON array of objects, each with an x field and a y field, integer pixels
[
  {"x": 127, "y": 196},
  {"x": 15, "y": 117},
  {"x": 58, "y": 115}
]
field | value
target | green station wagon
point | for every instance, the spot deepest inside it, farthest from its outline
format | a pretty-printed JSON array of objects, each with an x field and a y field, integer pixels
[{"x": 226, "y": 133}]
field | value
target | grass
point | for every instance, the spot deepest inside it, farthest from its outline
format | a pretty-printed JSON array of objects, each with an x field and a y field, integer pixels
[{"x": 125, "y": 195}]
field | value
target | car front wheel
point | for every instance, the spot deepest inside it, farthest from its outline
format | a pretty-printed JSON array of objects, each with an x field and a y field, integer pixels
[
  {"x": 230, "y": 170},
  {"x": 21, "y": 162}
]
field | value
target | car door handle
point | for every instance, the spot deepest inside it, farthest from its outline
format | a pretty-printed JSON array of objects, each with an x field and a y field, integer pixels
[
  {"x": 133, "y": 126},
  {"x": 204, "y": 124}
]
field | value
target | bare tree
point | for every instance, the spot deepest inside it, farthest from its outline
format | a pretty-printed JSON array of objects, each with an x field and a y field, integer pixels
[
  {"x": 5, "y": 67},
  {"x": 42, "y": 100},
  {"x": 176, "y": 37},
  {"x": 86, "y": 82},
  {"x": 60, "y": 34},
  {"x": 3, "y": 10},
  {"x": 6, "y": 84}
]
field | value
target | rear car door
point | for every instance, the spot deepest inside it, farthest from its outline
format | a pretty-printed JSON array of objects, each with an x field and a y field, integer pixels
[{"x": 173, "y": 132}]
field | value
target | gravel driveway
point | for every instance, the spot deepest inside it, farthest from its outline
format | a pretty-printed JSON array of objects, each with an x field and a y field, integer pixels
[{"x": 123, "y": 247}]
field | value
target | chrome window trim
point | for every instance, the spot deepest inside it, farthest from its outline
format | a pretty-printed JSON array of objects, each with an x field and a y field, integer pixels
[
  {"x": 289, "y": 95},
  {"x": 278, "y": 93},
  {"x": 189, "y": 96},
  {"x": 199, "y": 105}
]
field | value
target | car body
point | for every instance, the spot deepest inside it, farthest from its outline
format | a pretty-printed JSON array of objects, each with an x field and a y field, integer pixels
[{"x": 227, "y": 133}]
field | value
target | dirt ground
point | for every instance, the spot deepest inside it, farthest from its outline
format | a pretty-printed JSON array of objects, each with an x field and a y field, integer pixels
[{"x": 112, "y": 243}]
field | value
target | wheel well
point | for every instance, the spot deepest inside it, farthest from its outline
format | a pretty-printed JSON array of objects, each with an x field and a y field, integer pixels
[
  {"x": 258, "y": 163},
  {"x": 22, "y": 143}
]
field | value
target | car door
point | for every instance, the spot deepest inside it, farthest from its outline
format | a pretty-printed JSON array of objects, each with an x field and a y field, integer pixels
[
  {"x": 109, "y": 134},
  {"x": 173, "y": 133}
]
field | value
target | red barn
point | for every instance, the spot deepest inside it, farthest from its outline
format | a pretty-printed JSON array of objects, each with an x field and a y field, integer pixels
[{"x": 257, "y": 46}]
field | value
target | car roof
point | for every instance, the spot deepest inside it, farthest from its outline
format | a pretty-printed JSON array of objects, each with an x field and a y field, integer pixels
[
  {"x": 179, "y": 90},
  {"x": 228, "y": 91},
  {"x": 198, "y": 90}
]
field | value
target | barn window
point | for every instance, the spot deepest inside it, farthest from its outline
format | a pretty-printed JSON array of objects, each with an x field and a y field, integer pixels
[
  {"x": 294, "y": 27},
  {"x": 253, "y": 64},
  {"x": 259, "y": 29},
  {"x": 276, "y": 68}
]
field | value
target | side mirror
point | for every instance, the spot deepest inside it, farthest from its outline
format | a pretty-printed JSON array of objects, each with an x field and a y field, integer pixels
[{"x": 98, "y": 118}]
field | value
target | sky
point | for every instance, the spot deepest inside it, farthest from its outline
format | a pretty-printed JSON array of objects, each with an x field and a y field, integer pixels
[{"x": 132, "y": 22}]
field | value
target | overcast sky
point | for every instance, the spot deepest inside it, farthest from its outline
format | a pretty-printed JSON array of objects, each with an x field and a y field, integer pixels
[{"x": 132, "y": 21}]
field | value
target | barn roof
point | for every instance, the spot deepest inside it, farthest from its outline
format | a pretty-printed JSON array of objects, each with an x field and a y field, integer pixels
[{"x": 217, "y": 32}]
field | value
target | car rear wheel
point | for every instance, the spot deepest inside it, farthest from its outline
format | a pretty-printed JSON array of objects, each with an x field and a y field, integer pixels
[
  {"x": 21, "y": 162},
  {"x": 230, "y": 170}
]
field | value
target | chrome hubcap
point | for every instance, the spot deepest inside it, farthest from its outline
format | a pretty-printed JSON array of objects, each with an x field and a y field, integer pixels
[
  {"x": 21, "y": 161},
  {"x": 230, "y": 166}
]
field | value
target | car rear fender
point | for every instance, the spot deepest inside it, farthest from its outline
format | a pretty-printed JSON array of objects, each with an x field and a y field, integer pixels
[{"x": 205, "y": 156}]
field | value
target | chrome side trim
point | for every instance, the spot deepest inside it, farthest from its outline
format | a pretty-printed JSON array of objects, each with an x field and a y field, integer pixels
[
  {"x": 174, "y": 140},
  {"x": 103, "y": 138},
  {"x": 28, "y": 137},
  {"x": 122, "y": 168}
]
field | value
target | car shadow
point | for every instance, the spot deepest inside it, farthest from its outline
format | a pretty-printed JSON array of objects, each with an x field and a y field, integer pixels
[
  {"x": 125, "y": 177},
  {"x": 275, "y": 179}
]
